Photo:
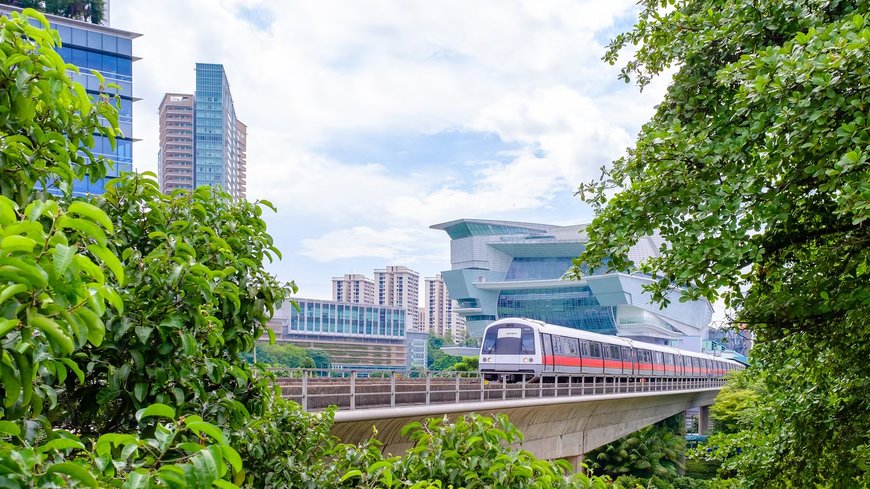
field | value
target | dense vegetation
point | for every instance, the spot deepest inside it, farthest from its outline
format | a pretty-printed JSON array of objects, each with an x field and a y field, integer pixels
[
  {"x": 657, "y": 450},
  {"x": 755, "y": 171},
  {"x": 286, "y": 355},
  {"x": 125, "y": 319},
  {"x": 87, "y": 10}
]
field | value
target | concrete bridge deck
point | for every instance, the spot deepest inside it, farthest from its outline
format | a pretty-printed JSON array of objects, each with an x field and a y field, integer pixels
[{"x": 561, "y": 417}]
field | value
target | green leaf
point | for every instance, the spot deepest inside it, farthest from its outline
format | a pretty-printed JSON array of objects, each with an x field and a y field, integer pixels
[
  {"x": 140, "y": 390},
  {"x": 74, "y": 471},
  {"x": 232, "y": 456},
  {"x": 95, "y": 325},
  {"x": 350, "y": 474},
  {"x": 84, "y": 227},
  {"x": 63, "y": 256},
  {"x": 9, "y": 428},
  {"x": 110, "y": 260},
  {"x": 54, "y": 331},
  {"x": 61, "y": 444},
  {"x": 161, "y": 410},
  {"x": 75, "y": 368},
  {"x": 17, "y": 243},
  {"x": 211, "y": 430}
]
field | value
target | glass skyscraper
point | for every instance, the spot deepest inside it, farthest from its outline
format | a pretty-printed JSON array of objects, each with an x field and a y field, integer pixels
[
  {"x": 219, "y": 137},
  {"x": 110, "y": 52}
]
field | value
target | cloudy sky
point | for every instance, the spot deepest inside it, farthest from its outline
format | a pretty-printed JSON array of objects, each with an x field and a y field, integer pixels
[{"x": 370, "y": 121}]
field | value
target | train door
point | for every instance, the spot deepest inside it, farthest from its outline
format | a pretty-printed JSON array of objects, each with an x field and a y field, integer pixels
[
  {"x": 627, "y": 361},
  {"x": 547, "y": 358}
]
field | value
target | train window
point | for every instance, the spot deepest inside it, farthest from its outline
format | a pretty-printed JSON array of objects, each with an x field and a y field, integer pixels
[
  {"x": 595, "y": 349},
  {"x": 614, "y": 352},
  {"x": 626, "y": 353},
  {"x": 527, "y": 345},
  {"x": 584, "y": 348},
  {"x": 573, "y": 347},
  {"x": 658, "y": 357},
  {"x": 557, "y": 345},
  {"x": 508, "y": 340},
  {"x": 489, "y": 342}
]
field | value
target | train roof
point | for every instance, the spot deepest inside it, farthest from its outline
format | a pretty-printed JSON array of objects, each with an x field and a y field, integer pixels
[{"x": 614, "y": 340}]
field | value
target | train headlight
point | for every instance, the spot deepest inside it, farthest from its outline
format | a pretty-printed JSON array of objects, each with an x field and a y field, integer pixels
[
  {"x": 486, "y": 359},
  {"x": 528, "y": 359}
]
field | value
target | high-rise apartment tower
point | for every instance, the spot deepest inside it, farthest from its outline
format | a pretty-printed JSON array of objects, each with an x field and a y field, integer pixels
[
  {"x": 440, "y": 316},
  {"x": 353, "y": 288},
  {"x": 400, "y": 287},
  {"x": 175, "y": 158}
]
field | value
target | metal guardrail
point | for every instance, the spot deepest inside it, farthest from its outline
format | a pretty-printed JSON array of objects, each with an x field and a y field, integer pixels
[{"x": 317, "y": 389}]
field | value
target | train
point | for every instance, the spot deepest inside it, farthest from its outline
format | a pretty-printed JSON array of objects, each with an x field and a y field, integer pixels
[{"x": 519, "y": 348}]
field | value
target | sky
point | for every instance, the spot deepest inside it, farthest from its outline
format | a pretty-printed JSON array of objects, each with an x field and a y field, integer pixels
[{"x": 368, "y": 122}]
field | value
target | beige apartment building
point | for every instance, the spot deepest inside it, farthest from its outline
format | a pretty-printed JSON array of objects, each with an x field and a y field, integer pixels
[
  {"x": 440, "y": 316},
  {"x": 175, "y": 158},
  {"x": 353, "y": 288}
]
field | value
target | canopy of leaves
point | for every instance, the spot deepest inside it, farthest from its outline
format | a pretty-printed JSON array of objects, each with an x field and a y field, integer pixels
[
  {"x": 657, "y": 450},
  {"x": 287, "y": 355},
  {"x": 755, "y": 171},
  {"x": 87, "y": 10}
]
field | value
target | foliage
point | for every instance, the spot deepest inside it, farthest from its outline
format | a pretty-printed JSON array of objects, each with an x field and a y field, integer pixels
[
  {"x": 656, "y": 450},
  {"x": 115, "y": 308},
  {"x": 290, "y": 356},
  {"x": 437, "y": 359},
  {"x": 287, "y": 447},
  {"x": 755, "y": 170},
  {"x": 736, "y": 406},
  {"x": 87, "y": 10},
  {"x": 471, "y": 452},
  {"x": 468, "y": 364}
]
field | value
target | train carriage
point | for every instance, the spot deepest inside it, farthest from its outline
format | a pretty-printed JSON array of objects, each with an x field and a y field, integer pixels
[{"x": 534, "y": 348}]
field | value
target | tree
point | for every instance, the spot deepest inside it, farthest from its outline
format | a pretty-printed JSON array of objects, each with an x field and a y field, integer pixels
[
  {"x": 755, "y": 171},
  {"x": 87, "y": 10},
  {"x": 657, "y": 450}
]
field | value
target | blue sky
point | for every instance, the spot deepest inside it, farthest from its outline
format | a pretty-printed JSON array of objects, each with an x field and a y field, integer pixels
[{"x": 370, "y": 121}]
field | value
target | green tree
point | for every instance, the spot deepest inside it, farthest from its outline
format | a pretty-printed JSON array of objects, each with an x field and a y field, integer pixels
[
  {"x": 87, "y": 10},
  {"x": 755, "y": 170},
  {"x": 437, "y": 359},
  {"x": 657, "y": 450}
]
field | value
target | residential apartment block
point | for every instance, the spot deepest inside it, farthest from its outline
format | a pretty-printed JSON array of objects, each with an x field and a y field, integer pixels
[
  {"x": 353, "y": 288},
  {"x": 440, "y": 316},
  {"x": 399, "y": 286}
]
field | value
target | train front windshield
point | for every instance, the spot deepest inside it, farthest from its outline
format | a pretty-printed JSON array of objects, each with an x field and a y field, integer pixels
[{"x": 509, "y": 339}]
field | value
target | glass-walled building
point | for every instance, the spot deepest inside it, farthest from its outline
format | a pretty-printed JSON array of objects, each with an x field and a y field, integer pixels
[
  {"x": 219, "y": 138},
  {"x": 358, "y": 336},
  {"x": 514, "y": 269},
  {"x": 110, "y": 52}
]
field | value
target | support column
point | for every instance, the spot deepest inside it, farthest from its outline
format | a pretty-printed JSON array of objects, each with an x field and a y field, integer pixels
[
  {"x": 576, "y": 462},
  {"x": 704, "y": 420}
]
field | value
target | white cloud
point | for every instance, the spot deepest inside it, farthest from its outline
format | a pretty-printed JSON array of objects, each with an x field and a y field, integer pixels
[{"x": 529, "y": 72}]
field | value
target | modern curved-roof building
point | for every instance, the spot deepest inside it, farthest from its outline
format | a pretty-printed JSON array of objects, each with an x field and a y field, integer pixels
[{"x": 515, "y": 269}]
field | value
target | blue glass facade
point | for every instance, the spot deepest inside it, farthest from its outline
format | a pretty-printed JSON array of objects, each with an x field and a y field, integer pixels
[
  {"x": 355, "y": 336},
  {"x": 538, "y": 268},
  {"x": 219, "y": 139},
  {"x": 572, "y": 307},
  {"x": 110, "y": 52},
  {"x": 345, "y": 319}
]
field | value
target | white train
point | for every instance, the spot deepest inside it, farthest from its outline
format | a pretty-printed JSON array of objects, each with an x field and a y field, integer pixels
[{"x": 525, "y": 346}]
